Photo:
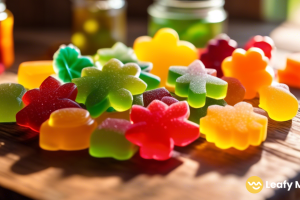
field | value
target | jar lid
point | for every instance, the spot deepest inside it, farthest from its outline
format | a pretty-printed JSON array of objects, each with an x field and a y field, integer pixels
[
  {"x": 100, "y": 4},
  {"x": 191, "y": 3}
]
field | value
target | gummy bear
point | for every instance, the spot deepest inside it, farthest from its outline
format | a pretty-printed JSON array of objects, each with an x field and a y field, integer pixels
[
  {"x": 216, "y": 51},
  {"x": 291, "y": 74},
  {"x": 67, "y": 129},
  {"x": 113, "y": 86},
  {"x": 31, "y": 74},
  {"x": 234, "y": 126},
  {"x": 250, "y": 68},
  {"x": 277, "y": 100},
  {"x": 108, "y": 140},
  {"x": 156, "y": 94},
  {"x": 40, "y": 103},
  {"x": 164, "y": 50},
  {"x": 157, "y": 128},
  {"x": 235, "y": 92},
  {"x": 193, "y": 82},
  {"x": 10, "y": 101},
  {"x": 265, "y": 43},
  {"x": 68, "y": 63}
]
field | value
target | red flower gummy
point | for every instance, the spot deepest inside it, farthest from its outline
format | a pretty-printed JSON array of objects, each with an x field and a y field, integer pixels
[
  {"x": 40, "y": 103},
  {"x": 157, "y": 128},
  {"x": 216, "y": 51},
  {"x": 264, "y": 43}
]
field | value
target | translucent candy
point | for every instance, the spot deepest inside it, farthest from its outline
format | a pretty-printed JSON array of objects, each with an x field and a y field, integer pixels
[
  {"x": 108, "y": 140},
  {"x": 277, "y": 100},
  {"x": 68, "y": 63},
  {"x": 216, "y": 51},
  {"x": 157, "y": 128},
  {"x": 31, "y": 74},
  {"x": 250, "y": 68},
  {"x": 164, "y": 50},
  {"x": 234, "y": 126},
  {"x": 67, "y": 129},
  {"x": 40, "y": 103},
  {"x": 235, "y": 92},
  {"x": 193, "y": 82},
  {"x": 264, "y": 43},
  {"x": 156, "y": 94},
  {"x": 291, "y": 74},
  {"x": 10, "y": 101},
  {"x": 169, "y": 100},
  {"x": 113, "y": 86}
]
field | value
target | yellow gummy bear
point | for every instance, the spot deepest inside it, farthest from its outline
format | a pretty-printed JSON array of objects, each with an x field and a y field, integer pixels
[
  {"x": 277, "y": 100},
  {"x": 164, "y": 50},
  {"x": 234, "y": 126}
]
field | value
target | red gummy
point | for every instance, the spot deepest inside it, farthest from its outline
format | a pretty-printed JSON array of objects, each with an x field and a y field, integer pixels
[
  {"x": 40, "y": 103},
  {"x": 157, "y": 128},
  {"x": 2, "y": 68},
  {"x": 156, "y": 94},
  {"x": 265, "y": 43},
  {"x": 169, "y": 100},
  {"x": 235, "y": 91},
  {"x": 216, "y": 51}
]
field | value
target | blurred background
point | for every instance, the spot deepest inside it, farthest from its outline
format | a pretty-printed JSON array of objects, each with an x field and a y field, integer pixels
[{"x": 40, "y": 26}]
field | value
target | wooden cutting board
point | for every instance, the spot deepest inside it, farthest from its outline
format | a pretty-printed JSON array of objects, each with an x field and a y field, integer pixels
[{"x": 198, "y": 171}]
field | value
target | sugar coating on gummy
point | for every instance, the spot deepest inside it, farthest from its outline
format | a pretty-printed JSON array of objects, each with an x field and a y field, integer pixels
[
  {"x": 164, "y": 50},
  {"x": 108, "y": 140},
  {"x": 40, "y": 103},
  {"x": 234, "y": 126},
  {"x": 68, "y": 63},
  {"x": 235, "y": 92},
  {"x": 157, "y": 128},
  {"x": 265, "y": 43},
  {"x": 250, "y": 68},
  {"x": 216, "y": 51},
  {"x": 67, "y": 129},
  {"x": 10, "y": 101},
  {"x": 194, "y": 83},
  {"x": 156, "y": 94},
  {"x": 277, "y": 100},
  {"x": 113, "y": 86}
]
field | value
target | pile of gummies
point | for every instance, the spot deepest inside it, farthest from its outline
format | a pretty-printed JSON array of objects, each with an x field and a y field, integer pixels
[{"x": 161, "y": 93}]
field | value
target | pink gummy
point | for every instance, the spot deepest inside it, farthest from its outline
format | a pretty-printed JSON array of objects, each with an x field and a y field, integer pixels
[
  {"x": 156, "y": 94},
  {"x": 265, "y": 43}
]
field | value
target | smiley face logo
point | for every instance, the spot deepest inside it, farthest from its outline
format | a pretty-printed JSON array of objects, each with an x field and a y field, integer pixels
[{"x": 254, "y": 184}]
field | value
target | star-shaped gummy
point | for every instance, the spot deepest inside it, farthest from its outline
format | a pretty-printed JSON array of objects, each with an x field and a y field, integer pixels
[
  {"x": 68, "y": 63},
  {"x": 216, "y": 51},
  {"x": 194, "y": 83},
  {"x": 40, "y": 103},
  {"x": 113, "y": 86},
  {"x": 157, "y": 128}
]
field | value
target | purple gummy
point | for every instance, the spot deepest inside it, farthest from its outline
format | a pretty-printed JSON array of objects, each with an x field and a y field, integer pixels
[
  {"x": 156, "y": 94},
  {"x": 169, "y": 100}
]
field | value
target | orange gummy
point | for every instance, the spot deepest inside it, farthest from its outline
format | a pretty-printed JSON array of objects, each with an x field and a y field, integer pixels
[
  {"x": 250, "y": 68},
  {"x": 31, "y": 74},
  {"x": 6, "y": 39},
  {"x": 164, "y": 50},
  {"x": 67, "y": 129},
  {"x": 291, "y": 74}
]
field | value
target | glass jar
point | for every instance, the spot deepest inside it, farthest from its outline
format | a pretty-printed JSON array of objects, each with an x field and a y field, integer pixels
[
  {"x": 98, "y": 24},
  {"x": 196, "y": 21}
]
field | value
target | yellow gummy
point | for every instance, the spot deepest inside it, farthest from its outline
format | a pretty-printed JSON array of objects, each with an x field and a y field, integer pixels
[
  {"x": 234, "y": 126},
  {"x": 164, "y": 50},
  {"x": 280, "y": 104},
  {"x": 31, "y": 74}
]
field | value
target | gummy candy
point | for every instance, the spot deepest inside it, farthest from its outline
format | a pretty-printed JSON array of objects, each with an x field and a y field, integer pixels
[
  {"x": 108, "y": 140},
  {"x": 137, "y": 100},
  {"x": 164, "y": 50},
  {"x": 265, "y": 43},
  {"x": 291, "y": 74},
  {"x": 169, "y": 100},
  {"x": 40, "y": 103},
  {"x": 234, "y": 126},
  {"x": 235, "y": 92},
  {"x": 250, "y": 68},
  {"x": 156, "y": 94},
  {"x": 68, "y": 62},
  {"x": 114, "y": 115},
  {"x": 10, "y": 101},
  {"x": 113, "y": 86},
  {"x": 216, "y": 51},
  {"x": 157, "y": 128},
  {"x": 277, "y": 100},
  {"x": 197, "y": 113},
  {"x": 67, "y": 129},
  {"x": 193, "y": 82},
  {"x": 31, "y": 74}
]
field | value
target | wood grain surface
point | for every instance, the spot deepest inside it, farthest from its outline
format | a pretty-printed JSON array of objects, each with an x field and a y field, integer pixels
[{"x": 198, "y": 171}]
